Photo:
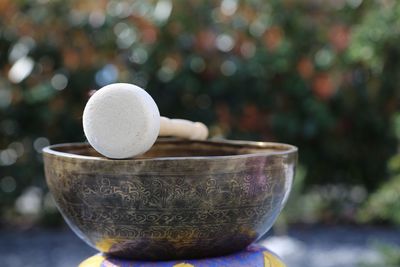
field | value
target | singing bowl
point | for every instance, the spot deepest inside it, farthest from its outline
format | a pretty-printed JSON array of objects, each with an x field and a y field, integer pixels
[{"x": 182, "y": 199}]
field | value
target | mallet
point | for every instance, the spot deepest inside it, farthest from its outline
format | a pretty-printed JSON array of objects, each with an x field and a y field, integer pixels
[{"x": 122, "y": 120}]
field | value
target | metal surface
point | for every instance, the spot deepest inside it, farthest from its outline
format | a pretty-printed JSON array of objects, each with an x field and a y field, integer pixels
[{"x": 182, "y": 199}]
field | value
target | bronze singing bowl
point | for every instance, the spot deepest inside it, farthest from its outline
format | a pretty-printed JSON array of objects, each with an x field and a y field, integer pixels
[{"x": 182, "y": 199}]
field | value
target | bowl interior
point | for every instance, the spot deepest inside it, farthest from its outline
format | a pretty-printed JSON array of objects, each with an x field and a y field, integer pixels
[{"x": 188, "y": 148}]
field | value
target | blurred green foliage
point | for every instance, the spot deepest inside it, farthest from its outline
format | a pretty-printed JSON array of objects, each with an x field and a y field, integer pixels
[
  {"x": 322, "y": 75},
  {"x": 384, "y": 204},
  {"x": 390, "y": 256}
]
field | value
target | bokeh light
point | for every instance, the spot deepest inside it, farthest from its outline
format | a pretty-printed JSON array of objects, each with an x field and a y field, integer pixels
[
  {"x": 8, "y": 184},
  {"x": 21, "y": 69}
]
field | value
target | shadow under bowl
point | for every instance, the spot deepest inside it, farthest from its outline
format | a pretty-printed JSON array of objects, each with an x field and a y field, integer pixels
[{"x": 182, "y": 199}]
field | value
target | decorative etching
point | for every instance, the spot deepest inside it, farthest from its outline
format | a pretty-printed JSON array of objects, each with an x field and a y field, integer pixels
[{"x": 146, "y": 215}]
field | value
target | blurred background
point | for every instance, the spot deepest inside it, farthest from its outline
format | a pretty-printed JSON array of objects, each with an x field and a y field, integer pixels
[{"x": 323, "y": 75}]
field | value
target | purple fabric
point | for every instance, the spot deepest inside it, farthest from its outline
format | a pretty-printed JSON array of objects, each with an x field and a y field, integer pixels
[{"x": 253, "y": 256}]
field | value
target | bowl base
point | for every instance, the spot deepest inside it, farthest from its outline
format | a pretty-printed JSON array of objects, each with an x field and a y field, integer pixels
[{"x": 254, "y": 255}]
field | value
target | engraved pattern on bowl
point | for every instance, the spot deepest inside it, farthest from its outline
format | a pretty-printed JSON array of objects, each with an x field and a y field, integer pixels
[{"x": 182, "y": 199}]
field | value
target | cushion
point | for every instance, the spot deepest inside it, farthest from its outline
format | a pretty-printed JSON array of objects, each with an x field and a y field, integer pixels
[{"x": 253, "y": 256}]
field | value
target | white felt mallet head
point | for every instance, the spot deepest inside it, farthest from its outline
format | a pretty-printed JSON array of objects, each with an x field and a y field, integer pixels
[{"x": 122, "y": 120}]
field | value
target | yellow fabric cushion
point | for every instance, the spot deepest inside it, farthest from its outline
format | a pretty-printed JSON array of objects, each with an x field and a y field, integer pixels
[{"x": 254, "y": 256}]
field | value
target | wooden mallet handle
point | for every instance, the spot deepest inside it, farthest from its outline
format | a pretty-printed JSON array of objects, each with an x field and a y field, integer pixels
[{"x": 182, "y": 128}]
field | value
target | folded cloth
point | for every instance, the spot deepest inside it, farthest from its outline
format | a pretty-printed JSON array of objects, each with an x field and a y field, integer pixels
[{"x": 253, "y": 256}]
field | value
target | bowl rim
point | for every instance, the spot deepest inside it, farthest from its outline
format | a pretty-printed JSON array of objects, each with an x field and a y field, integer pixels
[{"x": 289, "y": 149}]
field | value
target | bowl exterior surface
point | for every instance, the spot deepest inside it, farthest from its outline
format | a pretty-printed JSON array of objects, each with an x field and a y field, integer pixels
[{"x": 170, "y": 208}]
